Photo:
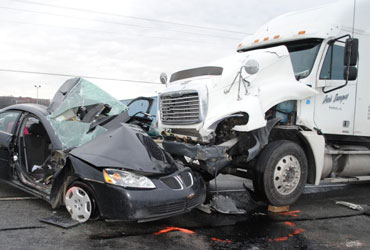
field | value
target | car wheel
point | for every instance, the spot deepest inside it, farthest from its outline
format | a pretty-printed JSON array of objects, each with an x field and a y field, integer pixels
[
  {"x": 80, "y": 202},
  {"x": 281, "y": 173}
]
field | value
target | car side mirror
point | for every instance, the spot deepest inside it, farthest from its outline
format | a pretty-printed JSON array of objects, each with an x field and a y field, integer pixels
[
  {"x": 350, "y": 73},
  {"x": 351, "y": 52}
]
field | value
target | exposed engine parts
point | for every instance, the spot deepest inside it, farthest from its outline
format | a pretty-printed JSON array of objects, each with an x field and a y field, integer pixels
[{"x": 224, "y": 130}]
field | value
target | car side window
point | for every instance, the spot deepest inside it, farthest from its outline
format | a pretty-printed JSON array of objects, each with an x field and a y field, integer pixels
[
  {"x": 8, "y": 120},
  {"x": 332, "y": 68},
  {"x": 137, "y": 106}
]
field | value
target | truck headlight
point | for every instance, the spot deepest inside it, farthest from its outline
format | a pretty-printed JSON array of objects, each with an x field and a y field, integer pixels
[
  {"x": 251, "y": 66},
  {"x": 126, "y": 179}
]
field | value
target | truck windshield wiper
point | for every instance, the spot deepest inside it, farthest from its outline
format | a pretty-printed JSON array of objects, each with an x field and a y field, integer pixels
[{"x": 301, "y": 74}]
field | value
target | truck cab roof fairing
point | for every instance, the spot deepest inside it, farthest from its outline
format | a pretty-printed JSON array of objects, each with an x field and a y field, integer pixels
[{"x": 312, "y": 23}]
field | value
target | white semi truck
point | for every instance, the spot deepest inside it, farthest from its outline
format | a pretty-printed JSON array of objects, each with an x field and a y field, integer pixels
[{"x": 292, "y": 107}]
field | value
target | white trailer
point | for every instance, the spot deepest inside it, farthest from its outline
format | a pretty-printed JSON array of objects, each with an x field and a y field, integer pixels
[{"x": 292, "y": 107}]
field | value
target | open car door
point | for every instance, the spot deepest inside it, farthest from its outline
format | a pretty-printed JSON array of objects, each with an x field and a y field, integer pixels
[{"x": 8, "y": 121}]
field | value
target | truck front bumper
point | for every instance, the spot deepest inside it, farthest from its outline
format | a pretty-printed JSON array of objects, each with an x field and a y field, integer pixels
[{"x": 215, "y": 156}]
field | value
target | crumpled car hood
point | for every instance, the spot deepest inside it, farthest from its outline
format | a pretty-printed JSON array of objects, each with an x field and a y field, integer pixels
[{"x": 126, "y": 147}]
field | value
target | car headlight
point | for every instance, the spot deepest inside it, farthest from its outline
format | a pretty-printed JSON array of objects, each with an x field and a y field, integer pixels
[{"x": 126, "y": 179}]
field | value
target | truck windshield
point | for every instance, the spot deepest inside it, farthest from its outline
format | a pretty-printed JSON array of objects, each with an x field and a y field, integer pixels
[{"x": 303, "y": 55}]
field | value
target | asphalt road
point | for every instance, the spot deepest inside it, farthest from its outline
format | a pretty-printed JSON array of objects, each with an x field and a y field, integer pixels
[{"x": 314, "y": 222}]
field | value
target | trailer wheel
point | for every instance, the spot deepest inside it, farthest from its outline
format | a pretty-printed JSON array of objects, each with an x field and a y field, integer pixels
[{"x": 281, "y": 173}]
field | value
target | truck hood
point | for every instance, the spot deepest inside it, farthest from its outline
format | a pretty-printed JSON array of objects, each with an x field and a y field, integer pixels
[
  {"x": 126, "y": 147},
  {"x": 274, "y": 83}
]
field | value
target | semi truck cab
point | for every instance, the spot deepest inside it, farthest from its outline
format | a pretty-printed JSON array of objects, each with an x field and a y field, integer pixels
[{"x": 291, "y": 107}]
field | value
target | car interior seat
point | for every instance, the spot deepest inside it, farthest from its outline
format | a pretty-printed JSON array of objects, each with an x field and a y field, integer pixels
[{"x": 37, "y": 146}]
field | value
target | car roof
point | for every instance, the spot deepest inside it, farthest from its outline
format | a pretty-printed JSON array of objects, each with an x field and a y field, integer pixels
[
  {"x": 41, "y": 112},
  {"x": 37, "y": 109}
]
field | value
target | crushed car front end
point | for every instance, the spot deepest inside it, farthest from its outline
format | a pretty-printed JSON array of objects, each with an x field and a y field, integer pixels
[
  {"x": 173, "y": 194},
  {"x": 113, "y": 163}
]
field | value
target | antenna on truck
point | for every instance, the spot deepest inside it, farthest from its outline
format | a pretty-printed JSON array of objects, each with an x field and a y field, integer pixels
[{"x": 354, "y": 17}]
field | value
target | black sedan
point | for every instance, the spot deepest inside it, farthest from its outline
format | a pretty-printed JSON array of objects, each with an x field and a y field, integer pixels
[{"x": 84, "y": 152}]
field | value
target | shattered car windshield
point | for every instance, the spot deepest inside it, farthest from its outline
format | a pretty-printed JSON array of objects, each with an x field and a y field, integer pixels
[
  {"x": 76, "y": 119},
  {"x": 73, "y": 134},
  {"x": 85, "y": 94}
]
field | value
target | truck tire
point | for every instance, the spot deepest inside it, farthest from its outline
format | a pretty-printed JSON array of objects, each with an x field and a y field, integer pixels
[{"x": 281, "y": 173}]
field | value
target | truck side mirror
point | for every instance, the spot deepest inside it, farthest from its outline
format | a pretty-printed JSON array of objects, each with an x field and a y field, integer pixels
[
  {"x": 350, "y": 73},
  {"x": 351, "y": 52},
  {"x": 163, "y": 78}
]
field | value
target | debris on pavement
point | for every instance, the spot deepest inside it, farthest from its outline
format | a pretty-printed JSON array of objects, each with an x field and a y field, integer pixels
[
  {"x": 294, "y": 213},
  {"x": 225, "y": 205},
  {"x": 275, "y": 209},
  {"x": 60, "y": 221},
  {"x": 350, "y": 205},
  {"x": 18, "y": 198},
  {"x": 19, "y": 228},
  {"x": 205, "y": 208}
]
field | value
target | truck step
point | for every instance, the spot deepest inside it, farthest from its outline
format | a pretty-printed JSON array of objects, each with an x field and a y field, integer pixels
[
  {"x": 345, "y": 180},
  {"x": 346, "y": 152}
]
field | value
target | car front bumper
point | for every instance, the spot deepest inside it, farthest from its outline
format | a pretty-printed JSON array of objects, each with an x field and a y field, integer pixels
[{"x": 118, "y": 203}]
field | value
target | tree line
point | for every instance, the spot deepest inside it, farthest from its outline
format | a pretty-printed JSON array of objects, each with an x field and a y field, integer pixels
[{"x": 10, "y": 100}]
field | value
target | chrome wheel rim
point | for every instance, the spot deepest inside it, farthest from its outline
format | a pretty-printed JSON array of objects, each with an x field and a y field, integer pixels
[
  {"x": 287, "y": 175},
  {"x": 78, "y": 204}
]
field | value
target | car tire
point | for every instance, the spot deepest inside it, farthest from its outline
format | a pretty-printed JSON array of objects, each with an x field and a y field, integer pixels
[
  {"x": 80, "y": 202},
  {"x": 281, "y": 173}
]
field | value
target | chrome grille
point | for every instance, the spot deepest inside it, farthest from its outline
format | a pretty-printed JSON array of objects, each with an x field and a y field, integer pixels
[
  {"x": 187, "y": 179},
  {"x": 171, "y": 182},
  {"x": 180, "y": 108},
  {"x": 178, "y": 182}
]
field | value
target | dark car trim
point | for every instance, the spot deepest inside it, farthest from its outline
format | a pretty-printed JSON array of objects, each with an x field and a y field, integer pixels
[{"x": 202, "y": 71}]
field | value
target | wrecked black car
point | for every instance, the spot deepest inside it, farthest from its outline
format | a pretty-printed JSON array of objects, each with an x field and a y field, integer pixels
[{"x": 83, "y": 153}]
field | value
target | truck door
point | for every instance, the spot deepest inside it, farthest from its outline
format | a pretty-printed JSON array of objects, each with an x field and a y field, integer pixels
[
  {"x": 334, "y": 107},
  {"x": 8, "y": 121}
]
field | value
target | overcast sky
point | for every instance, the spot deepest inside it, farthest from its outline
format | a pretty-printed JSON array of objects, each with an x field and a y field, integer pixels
[{"x": 121, "y": 39}]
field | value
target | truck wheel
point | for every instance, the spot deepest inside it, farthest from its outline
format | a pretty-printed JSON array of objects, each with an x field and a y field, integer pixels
[
  {"x": 80, "y": 202},
  {"x": 281, "y": 173}
]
